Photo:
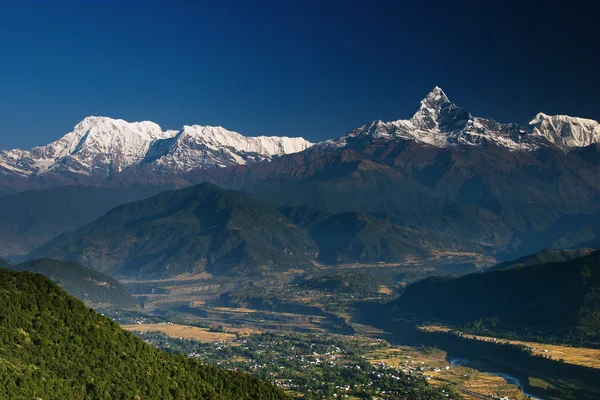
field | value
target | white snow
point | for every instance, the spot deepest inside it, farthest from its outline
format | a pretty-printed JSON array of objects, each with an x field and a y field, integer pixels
[
  {"x": 439, "y": 122},
  {"x": 101, "y": 145},
  {"x": 565, "y": 131},
  {"x": 104, "y": 146}
]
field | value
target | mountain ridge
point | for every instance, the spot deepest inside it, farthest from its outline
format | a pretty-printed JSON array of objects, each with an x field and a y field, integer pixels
[
  {"x": 100, "y": 149},
  {"x": 227, "y": 232},
  {"x": 441, "y": 123},
  {"x": 102, "y": 146},
  {"x": 95, "y": 289}
]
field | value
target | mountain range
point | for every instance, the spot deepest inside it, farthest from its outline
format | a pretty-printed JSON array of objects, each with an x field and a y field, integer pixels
[
  {"x": 441, "y": 123},
  {"x": 442, "y": 176},
  {"x": 102, "y": 150}
]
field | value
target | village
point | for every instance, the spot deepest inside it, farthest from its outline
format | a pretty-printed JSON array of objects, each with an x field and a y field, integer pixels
[{"x": 331, "y": 366}]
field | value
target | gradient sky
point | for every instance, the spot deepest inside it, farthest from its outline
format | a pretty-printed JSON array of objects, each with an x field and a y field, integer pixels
[{"x": 298, "y": 68}]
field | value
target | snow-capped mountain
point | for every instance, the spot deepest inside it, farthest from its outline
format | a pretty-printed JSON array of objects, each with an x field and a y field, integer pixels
[
  {"x": 564, "y": 131},
  {"x": 439, "y": 122},
  {"x": 101, "y": 146}
]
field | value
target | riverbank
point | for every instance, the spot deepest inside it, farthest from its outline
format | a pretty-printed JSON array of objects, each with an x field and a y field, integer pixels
[{"x": 539, "y": 376}]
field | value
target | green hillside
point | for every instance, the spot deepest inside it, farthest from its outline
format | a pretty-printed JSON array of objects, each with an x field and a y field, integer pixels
[
  {"x": 559, "y": 299},
  {"x": 53, "y": 347},
  {"x": 189, "y": 230},
  {"x": 93, "y": 288},
  {"x": 545, "y": 256},
  {"x": 360, "y": 237},
  {"x": 227, "y": 232}
]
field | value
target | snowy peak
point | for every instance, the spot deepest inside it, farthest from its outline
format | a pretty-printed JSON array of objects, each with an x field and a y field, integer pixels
[
  {"x": 215, "y": 146},
  {"x": 265, "y": 145},
  {"x": 441, "y": 123},
  {"x": 565, "y": 131},
  {"x": 434, "y": 101},
  {"x": 437, "y": 112},
  {"x": 98, "y": 142},
  {"x": 101, "y": 146}
]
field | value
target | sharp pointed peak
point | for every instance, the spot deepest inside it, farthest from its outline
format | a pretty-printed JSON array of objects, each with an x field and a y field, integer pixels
[{"x": 436, "y": 96}]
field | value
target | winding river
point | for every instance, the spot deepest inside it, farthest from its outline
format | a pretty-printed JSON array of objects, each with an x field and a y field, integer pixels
[{"x": 457, "y": 361}]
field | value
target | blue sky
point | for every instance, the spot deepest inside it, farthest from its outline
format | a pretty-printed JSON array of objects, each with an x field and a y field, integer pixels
[{"x": 298, "y": 68}]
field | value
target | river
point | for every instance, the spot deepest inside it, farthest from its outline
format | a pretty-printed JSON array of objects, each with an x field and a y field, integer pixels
[{"x": 457, "y": 361}]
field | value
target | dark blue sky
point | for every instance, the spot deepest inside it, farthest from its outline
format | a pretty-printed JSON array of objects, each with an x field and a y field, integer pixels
[{"x": 299, "y": 68}]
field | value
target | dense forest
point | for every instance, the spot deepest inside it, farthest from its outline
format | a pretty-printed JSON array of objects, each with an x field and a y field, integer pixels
[
  {"x": 53, "y": 347},
  {"x": 559, "y": 299},
  {"x": 543, "y": 257}
]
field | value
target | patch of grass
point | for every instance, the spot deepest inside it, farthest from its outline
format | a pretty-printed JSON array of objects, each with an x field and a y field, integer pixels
[
  {"x": 539, "y": 383},
  {"x": 182, "y": 331}
]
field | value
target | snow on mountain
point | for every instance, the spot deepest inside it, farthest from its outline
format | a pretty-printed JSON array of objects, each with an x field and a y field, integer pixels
[
  {"x": 214, "y": 147},
  {"x": 439, "y": 122},
  {"x": 565, "y": 131},
  {"x": 101, "y": 146}
]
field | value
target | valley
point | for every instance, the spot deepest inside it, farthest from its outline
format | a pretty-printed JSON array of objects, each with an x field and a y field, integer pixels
[{"x": 217, "y": 322}]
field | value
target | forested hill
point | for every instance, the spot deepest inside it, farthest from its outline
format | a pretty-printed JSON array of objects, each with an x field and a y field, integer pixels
[
  {"x": 53, "y": 347},
  {"x": 559, "y": 298},
  {"x": 544, "y": 256},
  {"x": 94, "y": 288}
]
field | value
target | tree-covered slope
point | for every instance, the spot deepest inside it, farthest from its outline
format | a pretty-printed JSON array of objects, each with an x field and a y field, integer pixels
[
  {"x": 359, "y": 237},
  {"x": 95, "y": 289},
  {"x": 53, "y": 347},
  {"x": 188, "y": 230},
  {"x": 545, "y": 256},
  {"x": 228, "y": 232},
  {"x": 561, "y": 298}
]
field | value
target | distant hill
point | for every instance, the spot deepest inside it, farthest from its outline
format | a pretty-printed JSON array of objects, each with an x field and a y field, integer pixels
[
  {"x": 194, "y": 229},
  {"x": 53, "y": 347},
  {"x": 545, "y": 256},
  {"x": 560, "y": 298},
  {"x": 345, "y": 282},
  {"x": 29, "y": 219},
  {"x": 95, "y": 289},
  {"x": 360, "y": 237},
  {"x": 205, "y": 228}
]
